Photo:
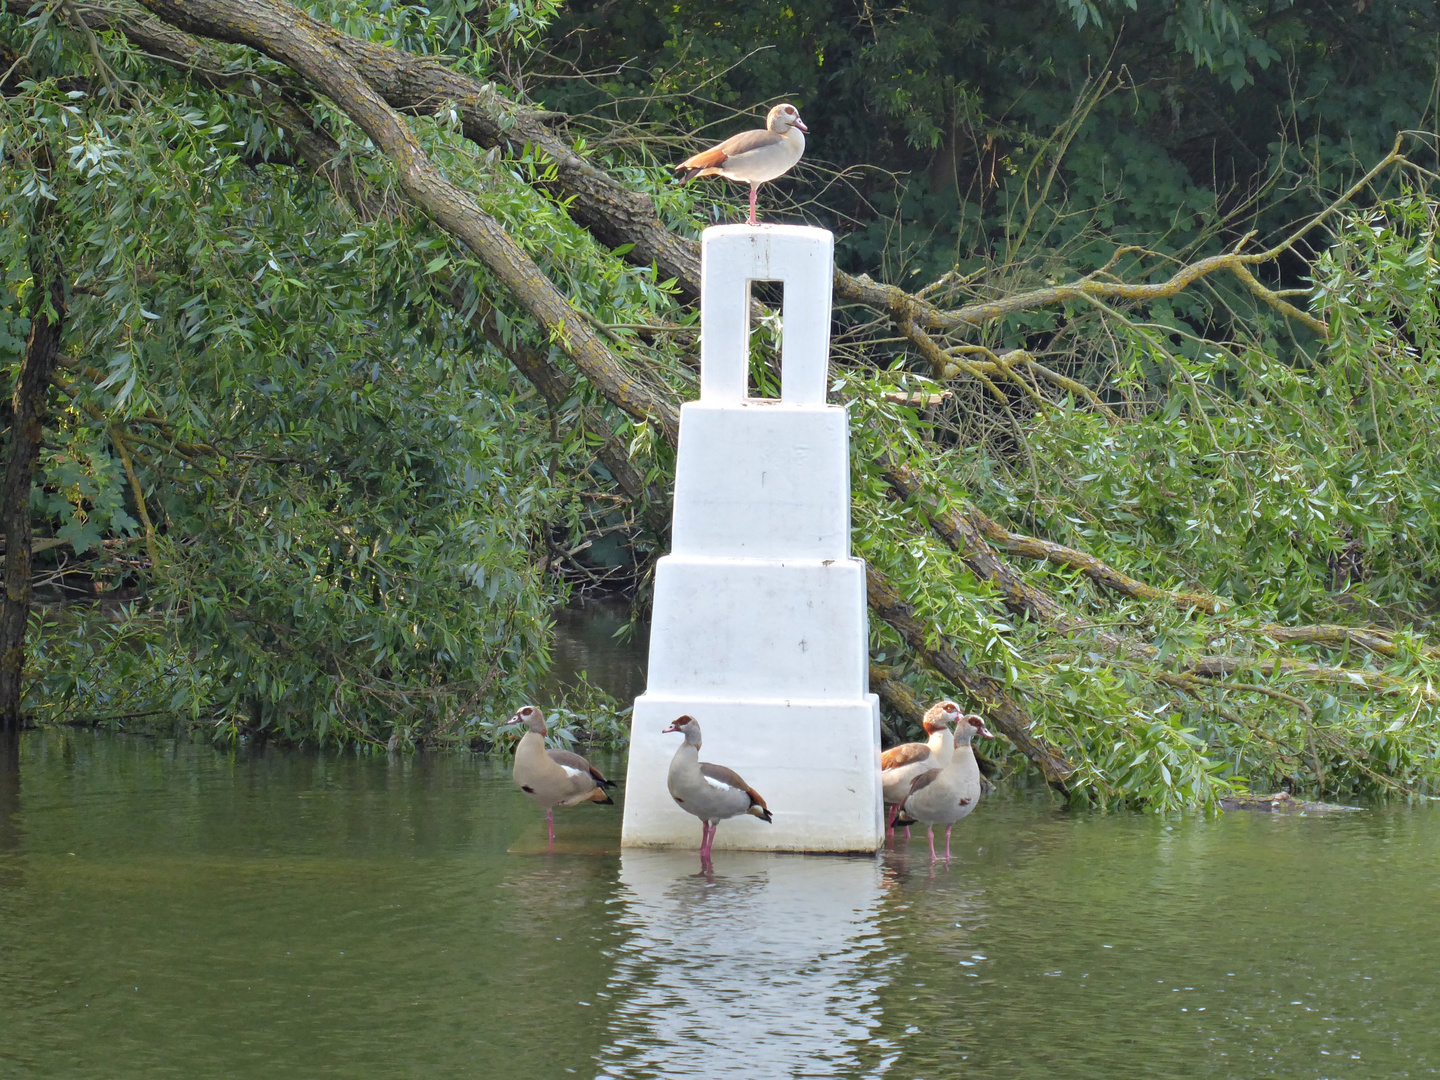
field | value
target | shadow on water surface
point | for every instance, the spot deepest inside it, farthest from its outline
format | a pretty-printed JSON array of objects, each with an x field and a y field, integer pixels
[
  {"x": 9, "y": 790},
  {"x": 10, "y": 829}
]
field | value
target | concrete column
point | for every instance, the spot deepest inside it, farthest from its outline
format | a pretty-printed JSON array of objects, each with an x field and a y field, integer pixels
[{"x": 760, "y": 622}]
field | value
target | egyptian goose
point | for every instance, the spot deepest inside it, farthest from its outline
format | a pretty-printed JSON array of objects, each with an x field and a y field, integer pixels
[
  {"x": 553, "y": 778},
  {"x": 752, "y": 157},
  {"x": 710, "y": 792},
  {"x": 944, "y": 796},
  {"x": 901, "y": 764}
]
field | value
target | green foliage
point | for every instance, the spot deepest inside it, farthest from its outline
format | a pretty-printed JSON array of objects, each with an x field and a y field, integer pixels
[
  {"x": 589, "y": 718},
  {"x": 344, "y": 481},
  {"x": 1303, "y": 490},
  {"x": 344, "y": 490},
  {"x": 1318, "y": 475}
]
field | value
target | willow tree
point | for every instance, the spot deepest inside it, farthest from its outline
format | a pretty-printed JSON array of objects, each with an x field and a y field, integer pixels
[{"x": 1182, "y": 539}]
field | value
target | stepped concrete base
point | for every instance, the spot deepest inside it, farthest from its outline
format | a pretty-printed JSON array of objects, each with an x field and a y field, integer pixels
[
  {"x": 762, "y": 479},
  {"x": 816, "y": 764},
  {"x": 760, "y": 625}
]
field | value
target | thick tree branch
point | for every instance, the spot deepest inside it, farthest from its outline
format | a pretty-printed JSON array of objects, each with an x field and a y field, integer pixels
[
  {"x": 313, "y": 50},
  {"x": 313, "y": 144},
  {"x": 321, "y": 154},
  {"x": 971, "y": 533},
  {"x": 923, "y": 313}
]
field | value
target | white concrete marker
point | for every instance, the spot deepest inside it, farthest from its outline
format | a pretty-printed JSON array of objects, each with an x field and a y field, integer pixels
[{"x": 760, "y": 626}]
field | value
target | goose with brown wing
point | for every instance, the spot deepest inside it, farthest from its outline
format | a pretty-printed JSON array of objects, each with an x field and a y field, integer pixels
[
  {"x": 552, "y": 778},
  {"x": 710, "y": 792}
]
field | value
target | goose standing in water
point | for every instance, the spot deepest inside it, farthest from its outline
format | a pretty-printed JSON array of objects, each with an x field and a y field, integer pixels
[
  {"x": 944, "y": 796},
  {"x": 553, "y": 778},
  {"x": 710, "y": 792},
  {"x": 901, "y": 764}
]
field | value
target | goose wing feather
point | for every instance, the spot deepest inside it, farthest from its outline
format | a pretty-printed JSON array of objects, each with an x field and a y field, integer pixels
[
  {"x": 904, "y": 754},
  {"x": 568, "y": 760}
]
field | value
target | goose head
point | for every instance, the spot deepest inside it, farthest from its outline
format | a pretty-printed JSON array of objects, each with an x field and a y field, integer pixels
[
  {"x": 531, "y": 717},
  {"x": 687, "y": 726},
  {"x": 972, "y": 725},
  {"x": 782, "y": 118},
  {"x": 940, "y": 716}
]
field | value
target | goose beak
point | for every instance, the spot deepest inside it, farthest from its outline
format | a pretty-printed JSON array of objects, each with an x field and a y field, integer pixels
[
  {"x": 672, "y": 728},
  {"x": 801, "y": 125},
  {"x": 513, "y": 720}
]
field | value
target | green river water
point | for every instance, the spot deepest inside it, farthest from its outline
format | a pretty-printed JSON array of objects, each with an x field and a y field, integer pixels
[{"x": 170, "y": 911}]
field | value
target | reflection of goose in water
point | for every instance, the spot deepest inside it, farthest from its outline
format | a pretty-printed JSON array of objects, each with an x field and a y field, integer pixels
[
  {"x": 934, "y": 922},
  {"x": 769, "y": 969}
]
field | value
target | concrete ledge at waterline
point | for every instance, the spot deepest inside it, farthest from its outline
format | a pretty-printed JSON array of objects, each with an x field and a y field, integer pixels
[{"x": 816, "y": 764}]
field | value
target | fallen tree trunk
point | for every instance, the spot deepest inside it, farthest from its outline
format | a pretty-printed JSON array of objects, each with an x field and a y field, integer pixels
[
  {"x": 971, "y": 533},
  {"x": 311, "y": 49}
]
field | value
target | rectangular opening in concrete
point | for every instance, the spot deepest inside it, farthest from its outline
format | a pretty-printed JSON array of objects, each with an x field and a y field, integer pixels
[{"x": 763, "y": 378}]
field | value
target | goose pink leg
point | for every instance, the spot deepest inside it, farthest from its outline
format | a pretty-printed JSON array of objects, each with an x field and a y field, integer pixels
[
  {"x": 947, "y": 841},
  {"x": 550, "y": 824},
  {"x": 754, "y": 190},
  {"x": 930, "y": 832},
  {"x": 890, "y": 816}
]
